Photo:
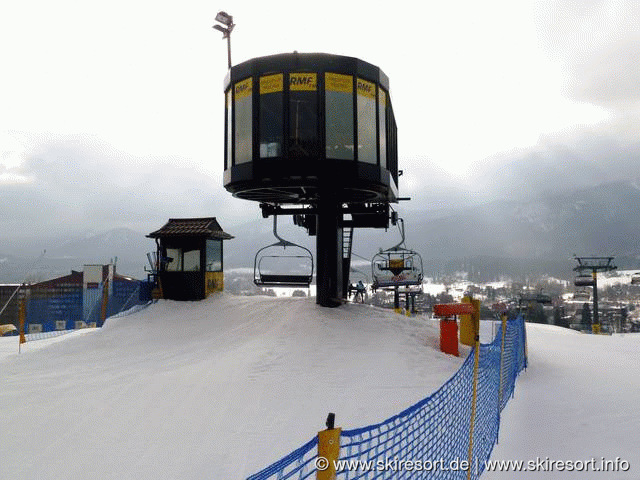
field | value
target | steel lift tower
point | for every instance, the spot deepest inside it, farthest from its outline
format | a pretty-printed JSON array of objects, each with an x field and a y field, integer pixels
[{"x": 587, "y": 276}]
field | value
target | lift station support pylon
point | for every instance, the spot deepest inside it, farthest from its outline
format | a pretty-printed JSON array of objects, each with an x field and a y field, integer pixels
[{"x": 313, "y": 136}]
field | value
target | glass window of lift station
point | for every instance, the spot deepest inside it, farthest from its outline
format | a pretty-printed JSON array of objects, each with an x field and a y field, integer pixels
[
  {"x": 243, "y": 121},
  {"x": 303, "y": 115},
  {"x": 367, "y": 147},
  {"x": 382, "y": 126},
  {"x": 214, "y": 256},
  {"x": 271, "y": 115},
  {"x": 339, "y": 116},
  {"x": 229, "y": 138}
]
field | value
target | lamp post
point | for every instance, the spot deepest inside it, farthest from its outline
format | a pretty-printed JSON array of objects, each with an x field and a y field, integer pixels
[{"x": 227, "y": 20}]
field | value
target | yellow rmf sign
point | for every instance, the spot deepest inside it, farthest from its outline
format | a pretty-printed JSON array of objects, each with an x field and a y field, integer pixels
[
  {"x": 271, "y": 83},
  {"x": 303, "y": 81},
  {"x": 335, "y": 82},
  {"x": 366, "y": 89},
  {"x": 243, "y": 89}
]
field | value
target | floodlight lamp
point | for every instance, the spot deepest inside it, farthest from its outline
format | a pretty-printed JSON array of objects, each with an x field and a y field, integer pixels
[
  {"x": 222, "y": 29},
  {"x": 225, "y": 18}
]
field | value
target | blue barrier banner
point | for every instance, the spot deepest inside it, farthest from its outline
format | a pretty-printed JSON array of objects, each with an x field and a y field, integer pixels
[{"x": 69, "y": 308}]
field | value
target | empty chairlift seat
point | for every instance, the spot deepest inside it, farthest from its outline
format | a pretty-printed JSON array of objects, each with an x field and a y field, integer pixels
[{"x": 283, "y": 264}]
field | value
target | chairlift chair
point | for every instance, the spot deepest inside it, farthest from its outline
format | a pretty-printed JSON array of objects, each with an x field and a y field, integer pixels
[
  {"x": 584, "y": 280},
  {"x": 264, "y": 273},
  {"x": 397, "y": 266}
]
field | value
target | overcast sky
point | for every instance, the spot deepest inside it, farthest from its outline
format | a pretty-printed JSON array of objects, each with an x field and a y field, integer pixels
[{"x": 111, "y": 112}]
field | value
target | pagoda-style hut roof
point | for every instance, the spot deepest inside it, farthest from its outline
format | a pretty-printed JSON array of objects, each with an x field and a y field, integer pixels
[{"x": 191, "y": 227}]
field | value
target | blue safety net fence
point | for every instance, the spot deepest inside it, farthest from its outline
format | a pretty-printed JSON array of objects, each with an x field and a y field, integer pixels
[{"x": 435, "y": 433}]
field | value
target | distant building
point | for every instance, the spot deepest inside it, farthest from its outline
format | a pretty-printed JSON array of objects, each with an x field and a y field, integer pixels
[
  {"x": 190, "y": 253},
  {"x": 71, "y": 301}
]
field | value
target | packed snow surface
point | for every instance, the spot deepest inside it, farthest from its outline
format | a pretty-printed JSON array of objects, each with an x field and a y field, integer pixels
[
  {"x": 216, "y": 389},
  {"x": 219, "y": 389},
  {"x": 578, "y": 400}
]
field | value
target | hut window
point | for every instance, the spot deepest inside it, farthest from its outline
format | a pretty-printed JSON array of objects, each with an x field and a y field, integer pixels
[
  {"x": 271, "y": 115},
  {"x": 367, "y": 145},
  {"x": 303, "y": 115},
  {"x": 339, "y": 115},
  {"x": 174, "y": 260},
  {"x": 214, "y": 256},
  {"x": 243, "y": 138},
  {"x": 192, "y": 261},
  {"x": 179, "y": 261}
]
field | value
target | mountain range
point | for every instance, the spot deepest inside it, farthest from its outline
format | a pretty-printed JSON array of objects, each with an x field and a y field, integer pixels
[{"x": 489, "y": 238}]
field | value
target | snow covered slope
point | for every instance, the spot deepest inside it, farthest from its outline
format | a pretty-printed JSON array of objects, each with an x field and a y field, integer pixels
[
  {"x": 579, "y": 399},
  {"x": 216, "y": 389},
  {"x": 219, "y": 389}
]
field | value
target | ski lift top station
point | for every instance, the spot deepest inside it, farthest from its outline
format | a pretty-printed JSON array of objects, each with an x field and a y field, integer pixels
[{"x": 313, "y": 136}]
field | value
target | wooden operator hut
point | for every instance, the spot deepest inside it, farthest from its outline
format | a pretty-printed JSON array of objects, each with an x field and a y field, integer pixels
[{"x": 190, "y": 257}]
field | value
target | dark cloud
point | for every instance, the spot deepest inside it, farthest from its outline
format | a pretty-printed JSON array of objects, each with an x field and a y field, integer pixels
[
  {"x": 559, "y": 163},
  {"x": 77, "y": 184}
]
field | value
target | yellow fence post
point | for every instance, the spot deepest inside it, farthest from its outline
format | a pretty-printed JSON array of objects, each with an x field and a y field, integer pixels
[
  {"x": 328, "y": 450},
  {"x": 474, "y": 398},
  {"x": 503, "y": 318},
  {"x": 21, "y": 321},
  {"x": 466, "y": 326},
  {"x": 470, "y": 324},
  {"x": 526, "y": 346}
]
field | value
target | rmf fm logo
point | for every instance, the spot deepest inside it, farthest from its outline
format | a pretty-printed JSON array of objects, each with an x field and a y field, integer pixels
[
  {"x": 302, "y": 81},
  {"x": 365, "y": 87},
  {"x": 243, "y": 87}
]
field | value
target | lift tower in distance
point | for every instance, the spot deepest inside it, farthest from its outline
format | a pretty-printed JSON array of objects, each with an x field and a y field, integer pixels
[
  {"x": 587, "y": 276},
  {"x": 313, "y": 136}
]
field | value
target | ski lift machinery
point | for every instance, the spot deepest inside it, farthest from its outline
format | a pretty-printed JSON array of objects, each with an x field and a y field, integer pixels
[
  {"x": 271, "y": 265},
  {"x": 397, "y": 266}
]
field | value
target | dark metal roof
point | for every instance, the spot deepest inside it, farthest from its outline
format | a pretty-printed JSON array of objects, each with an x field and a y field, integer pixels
[
  {"x": 74, "y": 278},
  {"x": 191, "y": 227},
  {"x": 77, "y": 278}
]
